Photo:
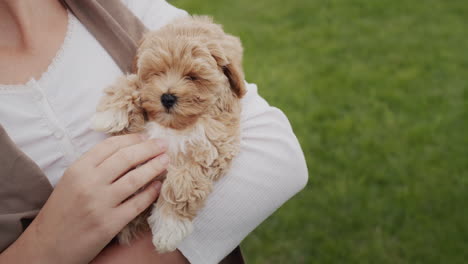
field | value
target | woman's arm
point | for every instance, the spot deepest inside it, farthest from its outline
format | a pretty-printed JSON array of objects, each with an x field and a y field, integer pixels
[{"x": 141, "y": 251}]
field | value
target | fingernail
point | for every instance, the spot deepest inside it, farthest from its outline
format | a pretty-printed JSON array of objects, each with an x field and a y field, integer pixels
[
  {"x": 164, "y": 159},
  {"x": 157, "y": 185},
  {"x": 162, "y": 144}
]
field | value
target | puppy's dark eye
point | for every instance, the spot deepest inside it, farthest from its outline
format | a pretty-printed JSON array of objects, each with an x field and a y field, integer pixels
[{"x": 191, "y": 77}]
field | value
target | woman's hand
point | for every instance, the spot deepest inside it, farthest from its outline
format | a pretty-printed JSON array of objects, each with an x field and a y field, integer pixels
[{"x": 92, "y": 202}]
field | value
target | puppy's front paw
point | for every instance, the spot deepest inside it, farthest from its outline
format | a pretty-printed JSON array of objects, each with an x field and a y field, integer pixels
[
  {"x": 110, "y": 121},
  {"x": 168, "y": 231}
]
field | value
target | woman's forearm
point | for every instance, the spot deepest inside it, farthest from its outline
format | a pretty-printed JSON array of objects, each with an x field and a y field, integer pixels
[
  {"x": 141, "y": 251},
  {"x": 29, "y": 249}
]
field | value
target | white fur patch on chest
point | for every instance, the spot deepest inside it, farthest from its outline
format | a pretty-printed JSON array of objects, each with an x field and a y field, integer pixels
[{"x": 178, "y": 140}]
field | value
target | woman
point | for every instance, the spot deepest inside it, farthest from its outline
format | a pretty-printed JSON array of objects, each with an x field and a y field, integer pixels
[{"x": 46, "y": 106}]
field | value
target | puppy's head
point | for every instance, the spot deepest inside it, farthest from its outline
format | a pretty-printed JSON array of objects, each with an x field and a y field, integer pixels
[{"x": 187, "y": 69}]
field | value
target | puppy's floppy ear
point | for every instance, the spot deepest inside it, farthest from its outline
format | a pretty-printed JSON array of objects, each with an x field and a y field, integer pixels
[
  {"x": 120, "y": 111},
  {"x": 228, "y": 54}
]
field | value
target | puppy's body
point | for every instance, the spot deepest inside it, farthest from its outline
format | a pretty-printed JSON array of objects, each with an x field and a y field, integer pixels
[{"x": 187, "y": 88}]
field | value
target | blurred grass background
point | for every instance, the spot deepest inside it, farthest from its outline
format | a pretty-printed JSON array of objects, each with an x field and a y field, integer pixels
[{"x": 377, "y": 93}]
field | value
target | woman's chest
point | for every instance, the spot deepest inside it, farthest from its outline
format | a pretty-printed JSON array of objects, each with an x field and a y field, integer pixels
[{"x": 49, "y": 118}]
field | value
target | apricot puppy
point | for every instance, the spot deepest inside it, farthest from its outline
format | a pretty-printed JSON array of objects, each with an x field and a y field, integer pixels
[{"x": 186, "y": 89}]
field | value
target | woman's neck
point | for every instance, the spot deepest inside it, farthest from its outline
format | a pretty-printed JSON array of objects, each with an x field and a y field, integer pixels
[
  {"x": 22, "y": 21},
  {"x": 32, "y": 32}
]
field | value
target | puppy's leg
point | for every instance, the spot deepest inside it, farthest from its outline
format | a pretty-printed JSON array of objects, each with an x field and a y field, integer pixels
[
  {"x": 183, "y": 193},
  {"x": 168, "y": 228},
  {"x": 119, "y": 111}
]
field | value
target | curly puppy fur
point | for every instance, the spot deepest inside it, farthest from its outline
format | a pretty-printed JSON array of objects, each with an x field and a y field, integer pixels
[{"x": 196, "y": 62}]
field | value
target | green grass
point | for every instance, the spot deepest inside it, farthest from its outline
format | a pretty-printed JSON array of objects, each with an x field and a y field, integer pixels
[{"x": 377, "y": 93}]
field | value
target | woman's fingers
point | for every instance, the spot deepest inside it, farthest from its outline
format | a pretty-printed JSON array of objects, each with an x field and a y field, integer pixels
[
  {"x": 127, "y": 158},
  {"x": 109, "y": 146},
  {"x": 129, "y": 209},
  {"x": 137, "y": 178}
]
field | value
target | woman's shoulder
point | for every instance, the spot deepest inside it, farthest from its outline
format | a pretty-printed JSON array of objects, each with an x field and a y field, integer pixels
[{"x": 154, "y": 13}]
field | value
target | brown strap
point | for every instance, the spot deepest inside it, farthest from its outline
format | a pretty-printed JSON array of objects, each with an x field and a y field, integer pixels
[
  {"x": 116, "y": 28},
  {"x": 24, "y": 190}
]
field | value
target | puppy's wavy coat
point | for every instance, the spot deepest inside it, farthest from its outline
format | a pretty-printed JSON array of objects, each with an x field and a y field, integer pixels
[{"x": 187, "y": 89}]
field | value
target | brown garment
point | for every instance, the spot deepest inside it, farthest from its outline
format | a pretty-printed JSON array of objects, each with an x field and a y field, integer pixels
[
  {"x": 23, "y": 191},
  {"x": 24, "y": 188}
]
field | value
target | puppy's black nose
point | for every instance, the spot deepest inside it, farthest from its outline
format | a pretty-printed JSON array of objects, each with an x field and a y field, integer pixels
[{"x": 168, "y": 100}]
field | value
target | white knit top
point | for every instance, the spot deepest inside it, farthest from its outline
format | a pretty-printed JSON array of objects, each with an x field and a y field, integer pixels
[{"x": 49, "y": 119}]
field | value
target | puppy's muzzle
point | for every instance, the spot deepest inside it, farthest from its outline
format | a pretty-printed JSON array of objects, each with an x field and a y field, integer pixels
[{"x": 168, "y": 100}]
